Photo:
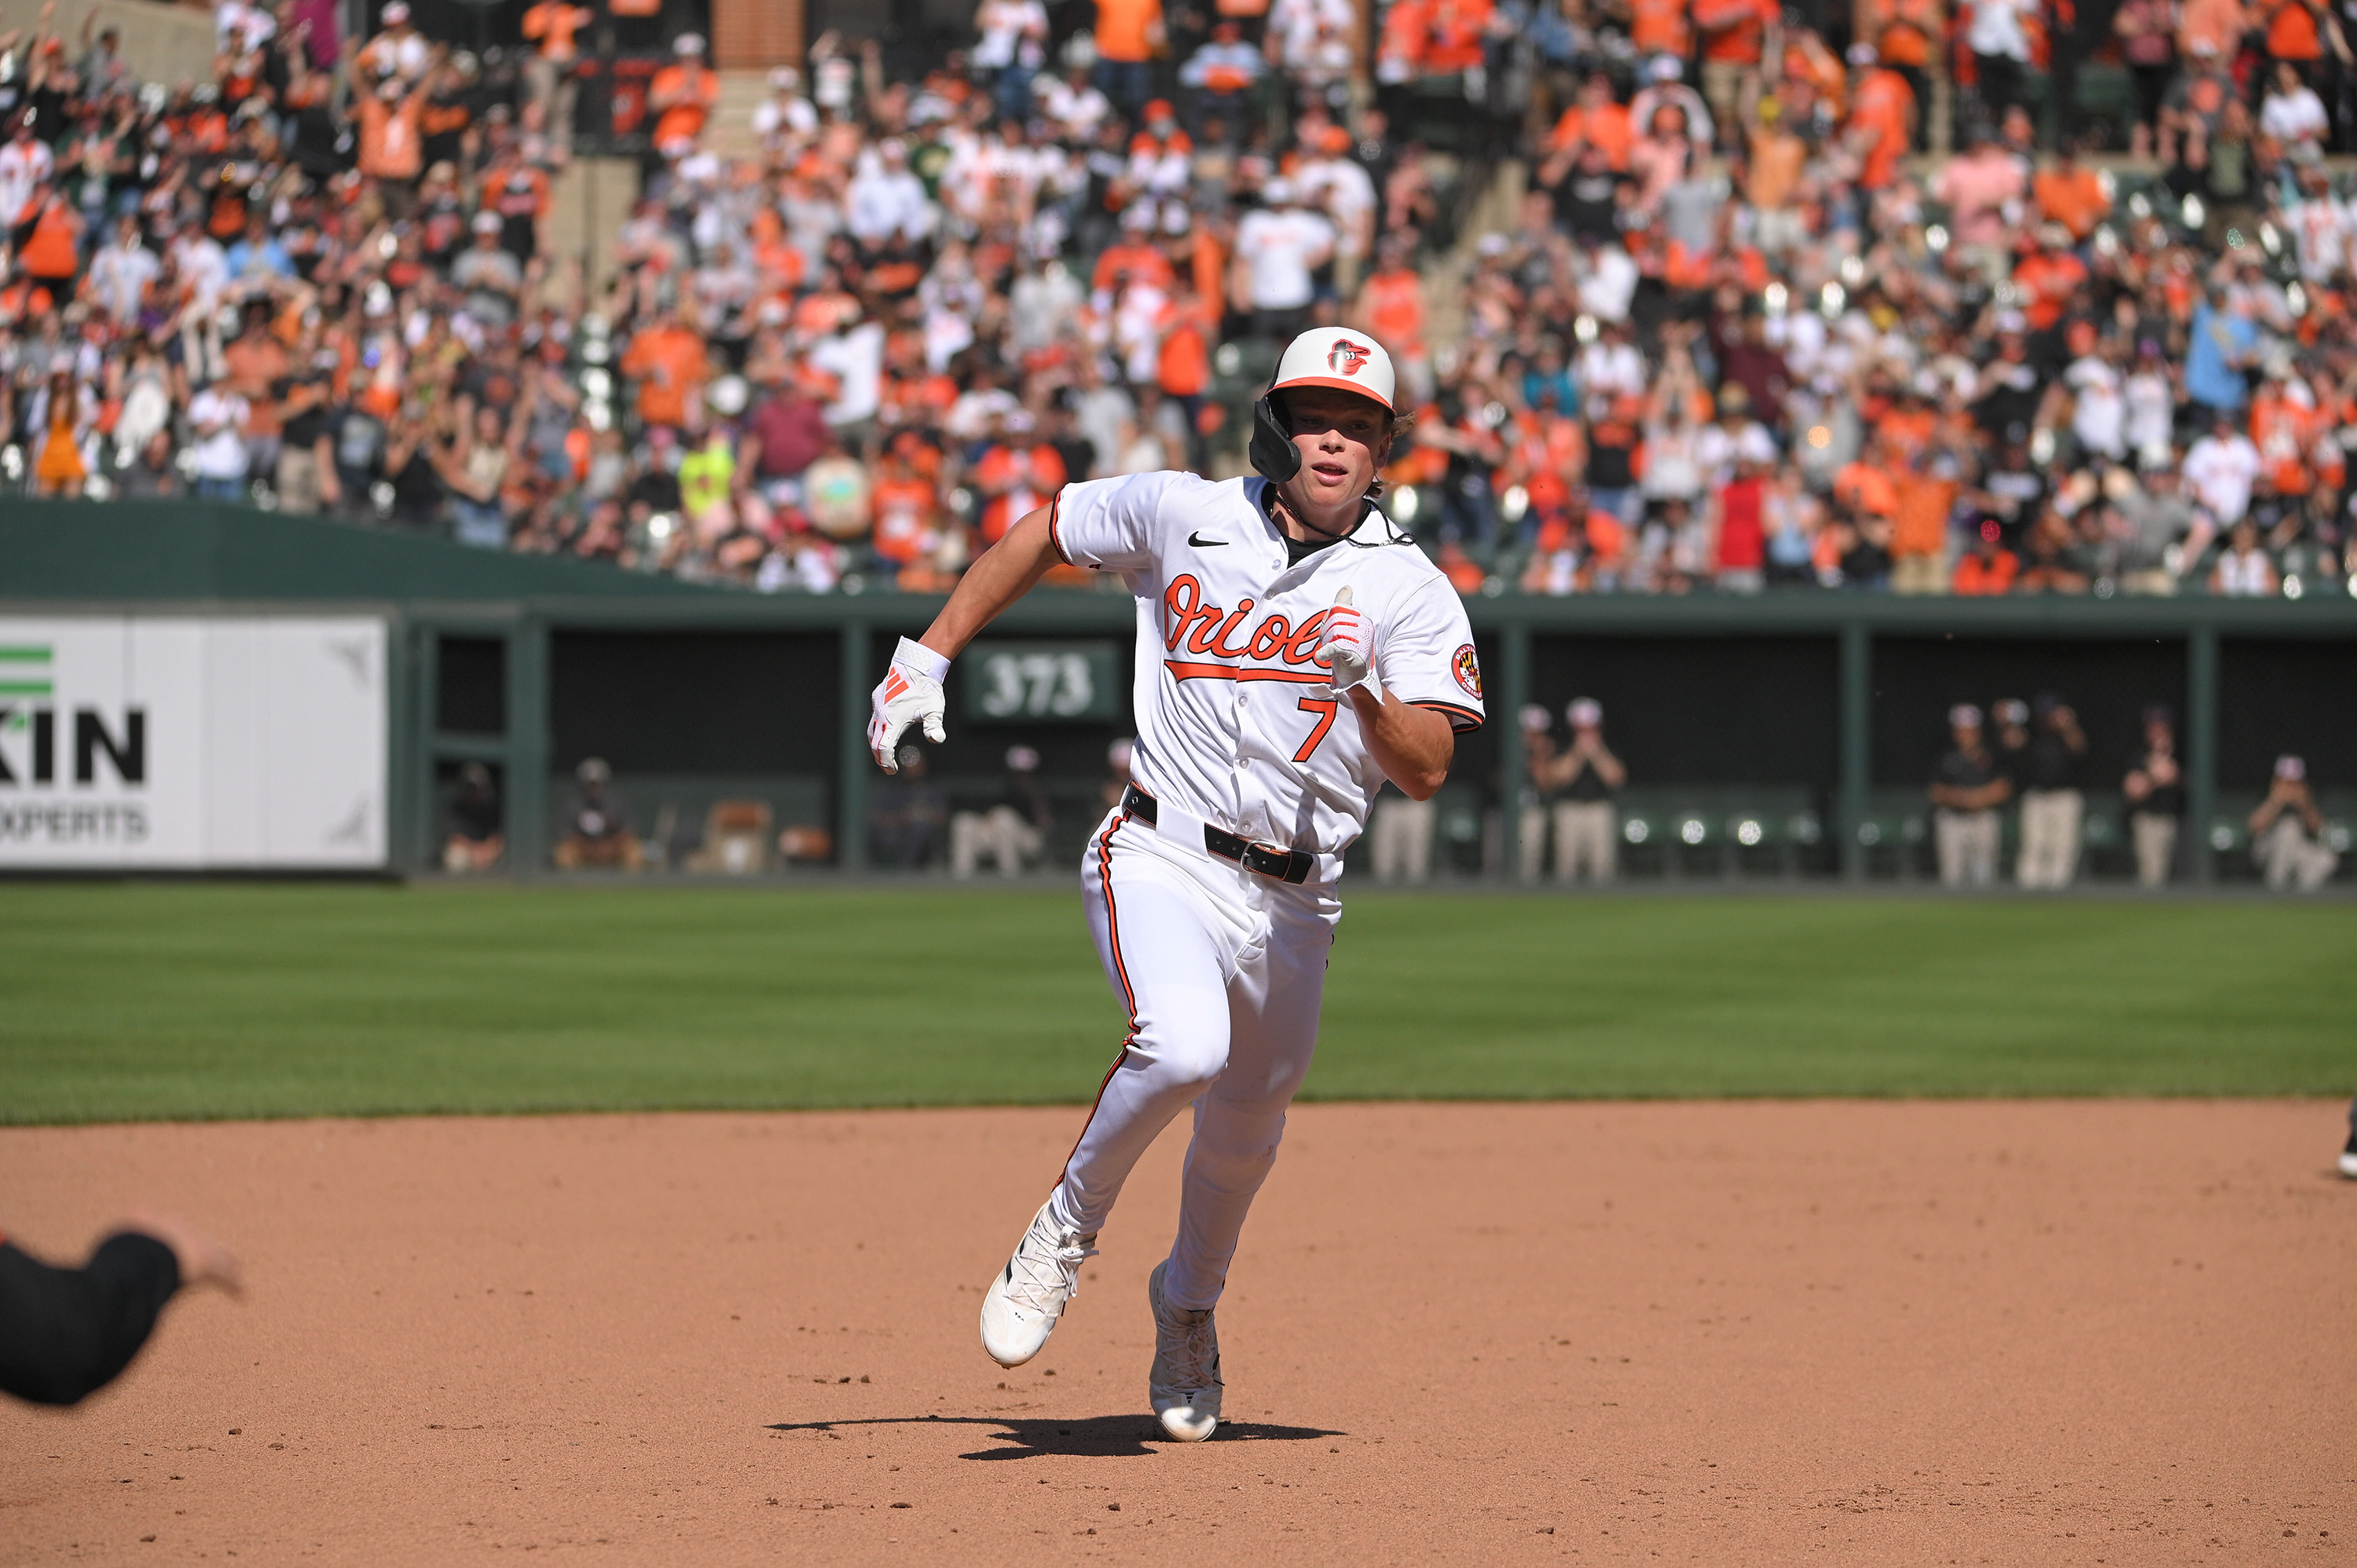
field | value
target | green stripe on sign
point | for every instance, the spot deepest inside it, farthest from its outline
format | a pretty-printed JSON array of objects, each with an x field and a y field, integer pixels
[
  {"x": 25, "y": 688},
  {"x": 23, "y": 653}
]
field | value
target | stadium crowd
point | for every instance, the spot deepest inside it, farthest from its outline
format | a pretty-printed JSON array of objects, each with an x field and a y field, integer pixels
[{"x": 1723, "y": 329}]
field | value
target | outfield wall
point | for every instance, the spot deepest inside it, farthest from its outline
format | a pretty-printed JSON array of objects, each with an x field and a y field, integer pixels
[{"x": 1826, "y": 707}]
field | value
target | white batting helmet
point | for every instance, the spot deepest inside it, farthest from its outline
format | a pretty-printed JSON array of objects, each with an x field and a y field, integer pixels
[{"x": 1337, "y": 357}]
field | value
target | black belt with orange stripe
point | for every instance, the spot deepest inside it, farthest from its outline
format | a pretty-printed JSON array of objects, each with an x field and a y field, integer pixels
[{"x": 1265, "y": 859}]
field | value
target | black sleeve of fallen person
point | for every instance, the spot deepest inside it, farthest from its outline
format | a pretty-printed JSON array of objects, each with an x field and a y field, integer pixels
[{"x": 66, "y": 1333}]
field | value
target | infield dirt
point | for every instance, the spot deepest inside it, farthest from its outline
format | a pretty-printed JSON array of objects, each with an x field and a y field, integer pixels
[{"x": 1873, "y": 1333}]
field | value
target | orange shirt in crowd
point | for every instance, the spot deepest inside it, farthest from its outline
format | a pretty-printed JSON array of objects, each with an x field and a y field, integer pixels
[
  {"x": 1183, "y": 365},
  {"x": 2220, "y": 23},
  {"x": 1606, "y": 124},
  {"x": 1686, "y": 268},
  {"x": 1607, "y": 537},
  {"x": 1734, "y": 32},
  {"x": 2076, "y": 200},
  {"x": 1208, "y": 263},
  {"x": 688, "y": 100},
  {"x": 1904, "y": 31},
  {"x": 392, "y": 146},
  {"x": 1025, "y": 480},
  {"x": 1809, "y": 65},
  {"x": 1392, "y": 303},
  {"x": 2292, "y": 32},
  {"x": 904, "y": 515},
  {"x": 1919, "y": 525},
  {"x": 2284, "y": 431},
  {"x": 1403, "y": 35},
  {"x": 1545, "y": 455},
  {"x": 53, "y": 250},
  {"x": 555, "y": 22},
  {"x": 1884, "y": 105},
  {"x": 1991, "y": 573},
  {"x": 2047, "y": 280},
  {"x": 1864, "y": 487},
  {"x": 1124, "y": 29},
  {"x": 1453, "y": 34},
  {"x": 1143, "y": 262},
  {"x": 668, "y": 362},
  {"x": 1904, "y": 432},
  {"x": 1660, "y": 27}
]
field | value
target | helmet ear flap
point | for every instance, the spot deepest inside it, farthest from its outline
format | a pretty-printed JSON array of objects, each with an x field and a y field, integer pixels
[{"x": 1274, "y": 455}]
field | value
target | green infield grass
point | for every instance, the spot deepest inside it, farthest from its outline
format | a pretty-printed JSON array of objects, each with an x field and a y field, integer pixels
[{"x": 213, "y": 1000}]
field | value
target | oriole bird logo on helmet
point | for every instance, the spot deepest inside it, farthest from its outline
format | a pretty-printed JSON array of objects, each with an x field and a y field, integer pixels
[{"x": 1348, "y": 358}]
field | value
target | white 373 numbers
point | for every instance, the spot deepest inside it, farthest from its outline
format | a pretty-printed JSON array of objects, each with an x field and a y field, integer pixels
[{"x": 1035, "y": 685}]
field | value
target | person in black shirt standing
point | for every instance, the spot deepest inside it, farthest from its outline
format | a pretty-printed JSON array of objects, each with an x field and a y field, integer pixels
[
  {"x": 1966, "y": 791},
  {"x": 306, "y": 478},
  {"x": 1581, "y": 782},
  {"x": 2052, "y": 805},
  {"x": 2010, "y": 741},
  {"x": 2155, "y": 788}
]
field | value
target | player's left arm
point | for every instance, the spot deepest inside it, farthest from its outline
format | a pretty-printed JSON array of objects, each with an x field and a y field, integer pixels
[
  {"x": 1413, "y": 746},
  {"x": 1410, "y": 724}
]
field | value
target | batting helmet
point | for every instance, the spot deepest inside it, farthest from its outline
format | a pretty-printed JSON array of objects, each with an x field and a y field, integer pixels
[{"x": 1333, "y": 357}]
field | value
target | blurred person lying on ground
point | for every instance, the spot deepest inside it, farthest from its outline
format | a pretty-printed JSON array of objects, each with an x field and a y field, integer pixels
[{"x": 66, "y": 1333}]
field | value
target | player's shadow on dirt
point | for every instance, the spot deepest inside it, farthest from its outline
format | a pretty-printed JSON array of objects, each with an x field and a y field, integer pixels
[{"x": 1093, "y": 1436}]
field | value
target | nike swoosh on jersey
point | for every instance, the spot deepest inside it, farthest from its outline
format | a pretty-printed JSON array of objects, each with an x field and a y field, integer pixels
[{"x": 1199, "y": 542}]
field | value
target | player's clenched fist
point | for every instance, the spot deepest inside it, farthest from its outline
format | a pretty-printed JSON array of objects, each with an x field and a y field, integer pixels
[
  {"x": 911, "y": 692},
  {"x": 1342, "y": 643}
]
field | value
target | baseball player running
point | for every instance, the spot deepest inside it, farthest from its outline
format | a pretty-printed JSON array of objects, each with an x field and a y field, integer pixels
[{"x": 1294, "y": 652}]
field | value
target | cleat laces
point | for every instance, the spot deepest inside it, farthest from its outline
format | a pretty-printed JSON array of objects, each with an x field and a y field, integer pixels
[
  {"x": 1045, "y": 1271},
  {"x": 1193, "y": 1350}
]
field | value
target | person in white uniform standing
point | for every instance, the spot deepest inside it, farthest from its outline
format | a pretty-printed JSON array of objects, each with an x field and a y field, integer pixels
[{"x": 1295, "y": 651}]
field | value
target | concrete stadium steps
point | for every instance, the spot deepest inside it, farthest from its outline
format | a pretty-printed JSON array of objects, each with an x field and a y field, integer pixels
[
  {"x": 730, "y": 130},
  {"x": 161, "y": 43},
  {"x": 585, "y": 206}
]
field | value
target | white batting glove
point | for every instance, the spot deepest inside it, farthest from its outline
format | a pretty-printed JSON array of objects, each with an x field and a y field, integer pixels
[
  {"x": 911, "y": 692},
  {"x": 1342, "y": 644}
]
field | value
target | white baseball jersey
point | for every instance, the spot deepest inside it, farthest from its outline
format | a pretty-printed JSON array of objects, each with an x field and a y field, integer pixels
[{"x": 1236, "y": 724}]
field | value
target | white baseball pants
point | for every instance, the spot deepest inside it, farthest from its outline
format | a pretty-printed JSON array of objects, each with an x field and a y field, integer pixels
[{"x": 1223, "y": 972}]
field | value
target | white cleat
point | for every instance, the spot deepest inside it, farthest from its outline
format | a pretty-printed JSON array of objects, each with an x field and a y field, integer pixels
[
  {"x": 1029, "y": 1296},
  {"x": 1185, "y": 1383}
]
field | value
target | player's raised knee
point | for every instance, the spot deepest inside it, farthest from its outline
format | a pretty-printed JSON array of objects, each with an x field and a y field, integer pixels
[{"x": 1179, "y": 1053}]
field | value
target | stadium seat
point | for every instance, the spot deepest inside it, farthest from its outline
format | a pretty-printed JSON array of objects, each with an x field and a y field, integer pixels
[
  {"x": 2230, "y": 833},
  {"x": 2102, "y": 834},
  {"x": 1645, "y": 833},
  {"x": 1771, "y": 824},
  {"x": 1897, "y": 825},
  {"x": 2339, "y": 809},
  {"x": 1459, "y": 839}
]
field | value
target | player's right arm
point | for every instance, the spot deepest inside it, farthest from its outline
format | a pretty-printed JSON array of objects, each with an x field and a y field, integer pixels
[
  {"x": 1004, "y": 572},
  {"x": 911, "y": 692},
  {"x": 1109, "y": 525}
]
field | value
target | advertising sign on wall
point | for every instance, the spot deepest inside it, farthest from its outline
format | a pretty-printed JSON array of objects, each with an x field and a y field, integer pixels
[{"x": 189, "y": 743}]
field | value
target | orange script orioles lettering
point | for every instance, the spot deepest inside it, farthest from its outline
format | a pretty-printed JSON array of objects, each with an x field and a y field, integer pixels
[{"x": 1207, "y": 629}]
